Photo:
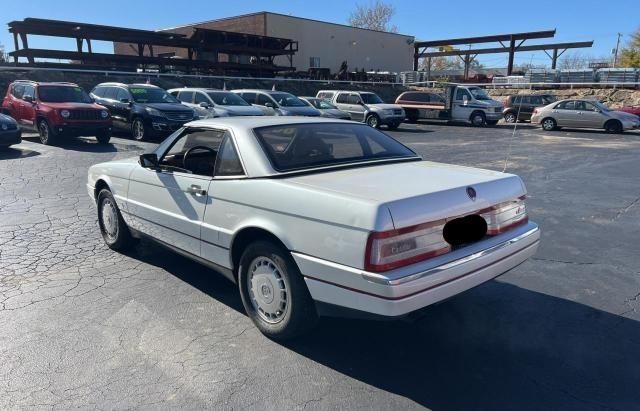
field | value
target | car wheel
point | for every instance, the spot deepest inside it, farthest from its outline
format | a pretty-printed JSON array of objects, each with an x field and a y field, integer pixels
[
  {"x": 412, "y": 115},
  {"x": 478, "y": 119},
  {"x": 46, "y": 134},
  {"x": 510, "y": 117},
  {"x": 112, "y": 226},
  {"x": 273, "y": 291},
  {"x": 138, "y": 130},
  {"x": 103, "y": 137},
  {"x": 549, "y": 124},
  {"x": 613, "y": 126},
  {"x": 373, "y": 121}
]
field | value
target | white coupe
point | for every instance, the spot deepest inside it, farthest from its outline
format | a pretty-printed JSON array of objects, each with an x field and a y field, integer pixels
[{"x": 308, "y": 215}]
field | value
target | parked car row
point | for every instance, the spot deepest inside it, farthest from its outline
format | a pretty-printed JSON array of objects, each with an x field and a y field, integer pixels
[{"x": 59, "y": 110}]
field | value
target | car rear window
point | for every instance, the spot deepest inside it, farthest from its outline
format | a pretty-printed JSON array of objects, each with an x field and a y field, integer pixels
[{"x": 304, "y": 146}]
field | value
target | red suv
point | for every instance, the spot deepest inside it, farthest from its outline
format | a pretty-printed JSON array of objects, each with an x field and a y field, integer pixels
[{"x": 56, "y": 110}]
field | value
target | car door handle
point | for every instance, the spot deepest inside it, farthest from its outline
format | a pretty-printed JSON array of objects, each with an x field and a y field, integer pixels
[{"x": 196, "y": 189}]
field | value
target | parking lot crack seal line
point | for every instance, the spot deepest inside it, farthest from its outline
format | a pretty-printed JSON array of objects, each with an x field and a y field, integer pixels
[{"x": 626, "y": 209}]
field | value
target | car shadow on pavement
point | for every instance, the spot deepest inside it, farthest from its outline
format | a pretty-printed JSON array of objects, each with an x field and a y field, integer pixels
[
  {"x": 197, "y": 275},
  {"x": 10, "y": 153},
  {"x": 496, "y": 347}
]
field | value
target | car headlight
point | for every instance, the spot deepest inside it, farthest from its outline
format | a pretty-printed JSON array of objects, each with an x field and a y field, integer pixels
[
  {"x": 65, "y": 113},
  {"x": 104, "y": 114},
  {"x": 153, "y": 112},
  {"x": 281, "y": 112},
  {"x": 386, "y": 112}
]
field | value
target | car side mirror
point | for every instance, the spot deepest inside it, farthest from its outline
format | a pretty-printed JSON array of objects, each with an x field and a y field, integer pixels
[
  {"x": 149, "y": 160},
  {"x": 28, "y": 98},
  {"x": 270, "y": 105},
  {"x": 465, "y": 99},
  {"x": 124, "y": 100},
  {"x": 204, "y": 105}
]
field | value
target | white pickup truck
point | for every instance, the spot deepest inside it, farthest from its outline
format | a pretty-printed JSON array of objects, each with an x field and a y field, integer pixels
[{"x": 467, "y": 104}]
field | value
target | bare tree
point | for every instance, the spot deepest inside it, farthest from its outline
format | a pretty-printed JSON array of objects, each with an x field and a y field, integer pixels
[
  {"x": 573, "y": 61},
  {"x": 375, "y": 16}
]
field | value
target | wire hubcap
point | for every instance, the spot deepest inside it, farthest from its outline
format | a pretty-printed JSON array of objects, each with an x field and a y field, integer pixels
[{"x": 268, "y": 290}]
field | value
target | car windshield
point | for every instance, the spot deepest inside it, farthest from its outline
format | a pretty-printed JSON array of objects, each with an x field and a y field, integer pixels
[
  {"x": 479, "y": 94},
  {"x": 303, "y": 146},
  {"x": 151, "y": 95},
  {"x": 370, "y": 98},
  {"x": 321, "y": 104},
  {"x": 600, "y": 106},
  {"x": 287, "y": 100},
  {"x": 63, "y": 94},
  {"x": 226, "y": 99}
]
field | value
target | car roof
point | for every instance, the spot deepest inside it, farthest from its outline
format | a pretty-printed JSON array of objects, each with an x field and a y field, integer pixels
[
  {"x": 45, "y": 83},
  {"x": 115, "y": 84},
  {"x": 248, "y": 123},
  {"x": 197, "y": 89},
  {"x": 257, "y": 90}
]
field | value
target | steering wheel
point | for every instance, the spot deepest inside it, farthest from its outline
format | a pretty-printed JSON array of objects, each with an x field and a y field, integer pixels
[{"x": 191, "y": 150}]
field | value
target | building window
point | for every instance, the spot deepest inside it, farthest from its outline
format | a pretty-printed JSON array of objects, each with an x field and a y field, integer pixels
[{"x": 314, "y": 62}]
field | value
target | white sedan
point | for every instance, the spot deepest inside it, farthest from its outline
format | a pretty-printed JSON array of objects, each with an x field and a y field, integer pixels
[{"x": 311, "y": 215}]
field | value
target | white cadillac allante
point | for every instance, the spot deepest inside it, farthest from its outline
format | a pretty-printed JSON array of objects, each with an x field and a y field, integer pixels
[{"x": 308, "y": 215}]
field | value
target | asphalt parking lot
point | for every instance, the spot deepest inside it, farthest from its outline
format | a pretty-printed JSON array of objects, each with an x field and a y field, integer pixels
[{"x": 83, "y": 326}]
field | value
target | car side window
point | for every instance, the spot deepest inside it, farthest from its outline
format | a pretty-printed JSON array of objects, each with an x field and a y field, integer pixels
[
  {"x": 567, "y": 105},
  {"x": 263, "y": 100},
  {"x": 111, "y": 93},
  {"x": 98, "y": 91},
  {"x": 201, "y": 147},
  {"x": 29, "y": 90},
  {"x": 409, "y": 97},
  {"x": 249, "y": 97},
  {"x": 201, "y": 98},
  {"x": 123, "y": 95},
  {"x": 343, "y": 98},
  {"x": 228, "y": 162},
  {"x": 588, "y": 106},
  {"x": 18, "y": 91},
  {"x": 174, "y": 93},
  {"x": 186, "y": 96},
  {"x": 354, "y": 99},
  {"x": 460, "y": 93}
]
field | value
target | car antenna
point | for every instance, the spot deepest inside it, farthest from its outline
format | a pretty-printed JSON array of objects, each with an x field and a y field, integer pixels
[{"x": 515, "y": 128}]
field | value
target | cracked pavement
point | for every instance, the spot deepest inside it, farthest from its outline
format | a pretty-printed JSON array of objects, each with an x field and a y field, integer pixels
[{"x": 85, "y": 327}]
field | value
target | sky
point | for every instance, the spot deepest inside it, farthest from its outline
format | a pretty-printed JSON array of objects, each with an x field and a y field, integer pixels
[{"x": 574, "y": 20}]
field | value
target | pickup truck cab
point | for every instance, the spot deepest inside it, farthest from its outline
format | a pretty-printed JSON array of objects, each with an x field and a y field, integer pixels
[
  {"x": 366, "y": 107},
  {"x": 466, "y": 104},
  {"x": 56, "y": 110}
]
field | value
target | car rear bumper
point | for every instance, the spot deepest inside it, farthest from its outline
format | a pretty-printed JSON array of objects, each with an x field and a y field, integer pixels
[
  {"x": 10, "y": 137},
  {"x": 402, "y": 291}
]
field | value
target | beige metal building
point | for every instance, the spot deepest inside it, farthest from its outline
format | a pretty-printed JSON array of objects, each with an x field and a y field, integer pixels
[{"x": 320, "y": 44}]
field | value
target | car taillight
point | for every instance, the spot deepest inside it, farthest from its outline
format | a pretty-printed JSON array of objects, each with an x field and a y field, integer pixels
[
  {"x": 535, "y": 111},
  {"x": 505, "y": 216},
  {"x": 396, "y": 248}
]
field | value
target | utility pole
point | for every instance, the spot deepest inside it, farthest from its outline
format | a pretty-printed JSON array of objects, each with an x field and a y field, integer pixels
[{"x": 615, "y": 54}]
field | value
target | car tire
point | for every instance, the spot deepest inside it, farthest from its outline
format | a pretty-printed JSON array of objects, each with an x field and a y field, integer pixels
[
  {"x": 47, "y": 136},
  {"x": 138, "y": 129},
  {"x": 373, "y": 120},
  {"x": 478, "y": 119},
  {"x": 412, "y": 115},
  {"x": 613, "y": 127},
  {"x": 112, "y": 226},
  {"x": 273, "y": 291},
  {"x": 103, "y": 137},
  {"x": 549, "y": 124},
  {"x": 510, "y": 117}
]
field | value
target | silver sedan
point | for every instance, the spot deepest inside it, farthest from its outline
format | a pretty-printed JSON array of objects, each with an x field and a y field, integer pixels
[{"x": 583, "y": 114}]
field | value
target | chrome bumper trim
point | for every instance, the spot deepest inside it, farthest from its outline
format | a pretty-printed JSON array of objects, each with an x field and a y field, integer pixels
[{"x": 380, "y": 279}]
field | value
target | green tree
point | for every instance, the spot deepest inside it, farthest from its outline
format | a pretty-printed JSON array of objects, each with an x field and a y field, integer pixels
[{"x": 630, "y": 55}]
